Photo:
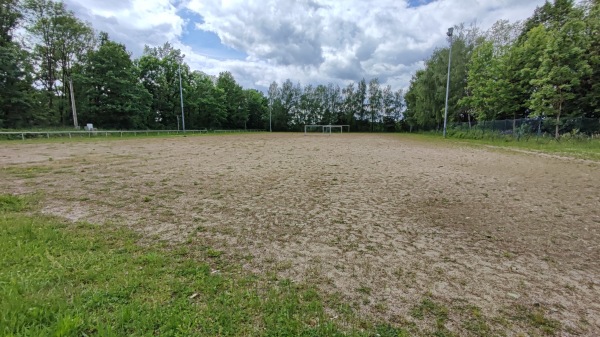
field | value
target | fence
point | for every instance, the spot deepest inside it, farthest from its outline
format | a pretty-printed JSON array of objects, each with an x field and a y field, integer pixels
[
  {"x": 97, "y": 133},
  {"x": 538, "y": 126}
]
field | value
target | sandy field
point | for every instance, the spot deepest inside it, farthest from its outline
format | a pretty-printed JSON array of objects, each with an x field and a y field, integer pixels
[{"x": 500, "y": 242}]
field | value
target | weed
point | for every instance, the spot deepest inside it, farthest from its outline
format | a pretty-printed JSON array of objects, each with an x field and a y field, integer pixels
[
  {"x": 364, "y": 290},
  {"x": 213, "y": 253},
  {"x": 12, "y": 203}
]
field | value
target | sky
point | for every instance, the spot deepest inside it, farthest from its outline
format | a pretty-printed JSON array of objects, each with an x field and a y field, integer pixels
[{"x": 307, "y": 41}]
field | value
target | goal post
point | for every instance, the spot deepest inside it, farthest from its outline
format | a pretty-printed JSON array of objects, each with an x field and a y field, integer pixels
[{"x": 326, "y": 129}]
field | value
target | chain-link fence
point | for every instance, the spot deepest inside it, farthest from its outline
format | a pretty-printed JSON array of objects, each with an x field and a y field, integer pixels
[{"x": 589, "y": 127}]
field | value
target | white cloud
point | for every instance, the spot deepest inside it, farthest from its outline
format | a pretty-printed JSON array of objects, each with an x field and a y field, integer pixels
[
  {"x": 132, "y": 22},
  {"x": 330, "y": 40},
  {"x": 311, "y": 41}
]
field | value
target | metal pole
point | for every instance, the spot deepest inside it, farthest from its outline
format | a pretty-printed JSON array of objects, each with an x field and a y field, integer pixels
[
  {"x": 181, "y": 95},
  {"x": 73, "y": 106},
  {"x": 450, "y": 30}
]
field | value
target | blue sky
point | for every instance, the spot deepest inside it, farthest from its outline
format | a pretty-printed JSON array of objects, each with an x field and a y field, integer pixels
[
  {"x": 207, "y": 42},
  {"x": 308, "y": 41}
]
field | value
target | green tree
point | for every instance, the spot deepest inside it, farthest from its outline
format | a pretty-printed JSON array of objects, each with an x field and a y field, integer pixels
[
  {"x": 113, "y": 97},
  {"x": 60, "y": 40},
  {"x": 15, "y": 82},
  {"x": 375, "y": 102},
  {"x": 159, "y": 73},
  {"x": 257, "y": 108},
  {"x": 589, "y": 97},
  {"x": 561, "y": 70},
  {"x": 207, "y": 105},
  {"x": 235, "y": 101}
]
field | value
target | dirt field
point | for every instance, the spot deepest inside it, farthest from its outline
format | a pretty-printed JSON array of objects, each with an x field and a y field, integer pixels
[{"x": 481, "y": 241}]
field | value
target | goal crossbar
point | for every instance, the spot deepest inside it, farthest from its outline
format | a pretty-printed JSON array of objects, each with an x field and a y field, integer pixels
[{"x": 327, "y": 128}]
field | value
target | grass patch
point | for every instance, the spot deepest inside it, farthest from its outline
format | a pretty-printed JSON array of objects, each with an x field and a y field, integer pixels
[
  {"x": 80, "y": 279},
  {"x": 535, "y": 317},
  {"x": 429, "y": 309},
  {"x": 578, "y": 148},
  {"x": 12, "y": 203}
]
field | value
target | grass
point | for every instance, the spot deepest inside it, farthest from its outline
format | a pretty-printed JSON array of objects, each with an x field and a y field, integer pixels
[
  {"x": 572, "y": 147},
  {"x": 80, "y": 279}
]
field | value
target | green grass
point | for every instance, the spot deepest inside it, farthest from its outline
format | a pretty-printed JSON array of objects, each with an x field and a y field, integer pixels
[
  {"x": 59, "y": 279},
  {"x": 572, "y": 147}
]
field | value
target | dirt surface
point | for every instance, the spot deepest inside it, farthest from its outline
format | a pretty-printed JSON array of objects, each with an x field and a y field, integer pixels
[{"x": 500, "y": 242}]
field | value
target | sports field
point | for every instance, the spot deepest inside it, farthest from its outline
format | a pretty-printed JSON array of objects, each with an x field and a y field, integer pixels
[{"x": 421, "y": 233}]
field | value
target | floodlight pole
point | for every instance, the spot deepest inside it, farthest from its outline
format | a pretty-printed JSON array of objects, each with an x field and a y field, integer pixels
[
  {"x": 181, "y": 96},
  {"x": 450, "y": 31}
]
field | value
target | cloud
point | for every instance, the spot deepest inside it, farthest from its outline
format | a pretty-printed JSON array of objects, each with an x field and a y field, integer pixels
[
  {"x": 310, "y": 41},
  {"x": 343, "y": 41},
  {"x": 133, "y": 22}
]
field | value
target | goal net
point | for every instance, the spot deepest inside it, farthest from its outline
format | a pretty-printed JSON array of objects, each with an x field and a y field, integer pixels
[{"x": 326, "y": 129}]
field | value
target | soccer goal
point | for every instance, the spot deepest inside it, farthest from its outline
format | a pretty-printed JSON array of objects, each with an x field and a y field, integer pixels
[{"x": 326, "y": 129}]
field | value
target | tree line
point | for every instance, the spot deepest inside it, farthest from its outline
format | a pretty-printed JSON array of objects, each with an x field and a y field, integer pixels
[
  {"x": 51, "y": 61},
  {"x": 362, "y": 106},
  {"x": 545, "y": 67}
]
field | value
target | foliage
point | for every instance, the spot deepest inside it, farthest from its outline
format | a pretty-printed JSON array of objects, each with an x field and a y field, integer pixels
[
  {"x": 113, "y": 96},
  {"x": 546, "y": 66}
]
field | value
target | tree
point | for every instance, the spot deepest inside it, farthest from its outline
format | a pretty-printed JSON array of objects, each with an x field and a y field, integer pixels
[
  {"x": 15, "y": 82},
  {"x": 562, "y": 67},
  {"x": 207, "y": 105},
  {"x": 257, "y": 108},
  {"x": 348, "y": 104},
  {"x": 589, "y": 95},
  {"x": 290, "y": 98},
  {"x": 159, "y": 73},
  {"x": 375, "y": 102},
  {"x": 551, "y": 15},
  {"x": 113, "y": 97},
  {"x": 235, "y": 103},
  {"x": 360, "y": 103},
  {"x": 60, "y": 39}
]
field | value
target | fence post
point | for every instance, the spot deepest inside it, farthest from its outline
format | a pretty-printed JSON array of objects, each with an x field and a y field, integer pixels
[{"x": 23, "y": 136}]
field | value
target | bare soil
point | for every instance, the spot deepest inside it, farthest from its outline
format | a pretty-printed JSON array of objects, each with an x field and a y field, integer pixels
[{"x": 504, "y": 242}]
